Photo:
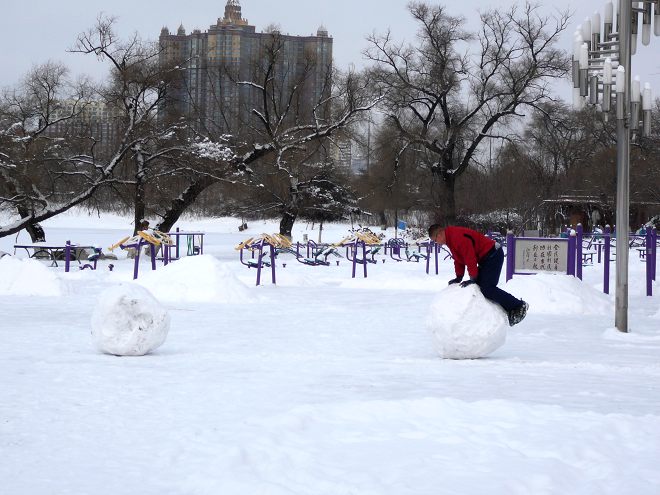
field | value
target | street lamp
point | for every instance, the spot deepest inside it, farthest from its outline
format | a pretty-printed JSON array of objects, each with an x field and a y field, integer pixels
[{"x": 597, "y": 51}]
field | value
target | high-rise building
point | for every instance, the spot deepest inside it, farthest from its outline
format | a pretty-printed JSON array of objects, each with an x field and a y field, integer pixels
[{"x": 213, "y": 63}]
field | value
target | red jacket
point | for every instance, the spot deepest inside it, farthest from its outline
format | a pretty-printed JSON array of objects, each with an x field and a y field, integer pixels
[{"x": 467, "y": 246}]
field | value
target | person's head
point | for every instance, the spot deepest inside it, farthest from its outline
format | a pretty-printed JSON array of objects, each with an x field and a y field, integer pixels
[{"x": 437, "y": 233}]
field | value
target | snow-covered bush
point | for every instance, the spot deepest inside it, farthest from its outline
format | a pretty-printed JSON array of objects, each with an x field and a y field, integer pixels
[
  {"x": 129, "y": 321},
  {"x": 465, "y": 325}
]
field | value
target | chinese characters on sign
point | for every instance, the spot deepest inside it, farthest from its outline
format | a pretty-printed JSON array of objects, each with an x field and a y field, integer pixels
[{"x": 545, "y": 255}]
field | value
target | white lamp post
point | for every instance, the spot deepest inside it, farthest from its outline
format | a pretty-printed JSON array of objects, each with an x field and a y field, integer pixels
[{"x": 597, "y": 51}]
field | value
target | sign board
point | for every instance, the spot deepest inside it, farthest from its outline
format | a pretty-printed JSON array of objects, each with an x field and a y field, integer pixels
[
  {"x": 402, "y": 225},
  {"x": 541, "y": 255}
]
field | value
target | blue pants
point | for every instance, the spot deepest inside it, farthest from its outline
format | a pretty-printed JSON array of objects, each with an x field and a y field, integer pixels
[{"x": 489, "y": 275}]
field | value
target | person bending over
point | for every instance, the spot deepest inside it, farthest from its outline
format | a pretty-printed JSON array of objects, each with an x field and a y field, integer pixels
[{"x": 483, "y": 258}]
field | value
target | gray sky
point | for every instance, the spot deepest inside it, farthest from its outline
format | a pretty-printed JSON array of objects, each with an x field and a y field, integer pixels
[{"x": 39, "y": 30}]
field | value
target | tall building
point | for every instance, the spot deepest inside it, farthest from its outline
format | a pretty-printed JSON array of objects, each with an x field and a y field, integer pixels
[
  {"x": 213, "y": 62},
  {"x": 89, "y": 122}
]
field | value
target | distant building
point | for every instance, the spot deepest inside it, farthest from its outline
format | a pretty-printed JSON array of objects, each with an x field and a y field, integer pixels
[
  {"x": 231, "y": 50},
  {"x": 91, "y": 122},
  {"x": 341, "y": 151}
]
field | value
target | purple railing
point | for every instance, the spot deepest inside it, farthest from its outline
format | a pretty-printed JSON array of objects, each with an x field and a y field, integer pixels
[{"x": 577, "y": 256}]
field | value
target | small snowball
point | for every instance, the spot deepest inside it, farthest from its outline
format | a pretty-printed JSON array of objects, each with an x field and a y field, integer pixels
[
  {"x": 129, "y": 321},
  {"x": 465, "y": 325}
]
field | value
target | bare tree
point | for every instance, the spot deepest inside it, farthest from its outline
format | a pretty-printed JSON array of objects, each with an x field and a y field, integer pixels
[
  {"x": 137, "y": 88},
  {"x": 36, "y": 183},
  {"x": 279, "y": 152},
  {"x": 449, "y": 102}
]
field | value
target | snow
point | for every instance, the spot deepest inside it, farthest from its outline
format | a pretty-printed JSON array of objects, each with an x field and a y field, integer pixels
[
  {"x": 212, "y": 150},
  {"x": 561, "y": 295},
  {"x": 27, "y": 278},
  {"x": 465, "y": 325},
  {"x": 196, "y": 278},
  {"x": 321, "y": 384},
  {"x": 129, "y": 321}
]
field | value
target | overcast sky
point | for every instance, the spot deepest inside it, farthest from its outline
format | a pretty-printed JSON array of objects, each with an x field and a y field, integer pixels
[{"x": 40, "y": 30}]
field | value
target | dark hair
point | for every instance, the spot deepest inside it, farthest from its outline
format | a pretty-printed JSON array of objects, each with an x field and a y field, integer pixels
[{"x": 434, "y": 229}]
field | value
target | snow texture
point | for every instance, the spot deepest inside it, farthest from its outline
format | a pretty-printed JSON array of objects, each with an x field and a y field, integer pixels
[
  {"x": 327, "y": 386},
  {"x": 27, "y": 277},
  {"x": 465, "y": 325},
  {"x": 196, "y": 279},
  {"x": 129, "y": 321},
  {"x": 559, "y": 294}
]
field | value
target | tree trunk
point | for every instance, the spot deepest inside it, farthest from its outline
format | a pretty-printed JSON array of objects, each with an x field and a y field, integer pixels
[
  {"x": 288, "y": 219},
  {"x": 445, "y": 202},
  {"x": 35, "y": 230},
  {"x": 383, "y": 218},
  {"x": 139, "y": 198},
  {"x": 185, "y": 199},
  {"x": 291, "y": 209},
  {"x": 139, "y": 204}
]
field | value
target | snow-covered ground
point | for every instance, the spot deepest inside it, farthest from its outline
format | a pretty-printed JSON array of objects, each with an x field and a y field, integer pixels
[{"x": 320, "y": 384}]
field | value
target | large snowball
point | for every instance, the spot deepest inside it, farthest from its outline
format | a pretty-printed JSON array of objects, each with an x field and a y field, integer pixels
[
  {"x": 465, "y": 325},
  {"x": 129, "y": 321}
]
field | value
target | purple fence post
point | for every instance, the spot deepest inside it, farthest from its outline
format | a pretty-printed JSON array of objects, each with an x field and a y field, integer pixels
[
  {"x": 655, "y": 252},
  {"x": 437, "y": 248},
  {"x": 570, "y": 270},
  {"x": 67, "y": 256},
  {"x": 178, "y": 237},
  {"x": 364, "y": 258},
  {"x": 259, "y": 261},
  {"x": 272, "y": 263},
  {"x": 606, "y": 266},
  {"x": 510, "y": 255},
  {"x": 152, "y": 255},
  {"x": 201, "y": 243},
  {"x": 649, "y": 244},
  {"x": 136, "y": 266},
  {"x": 428, "y": 256},
  {"x": 578, "y": 253},
  {"x": 354, "y": 249}
]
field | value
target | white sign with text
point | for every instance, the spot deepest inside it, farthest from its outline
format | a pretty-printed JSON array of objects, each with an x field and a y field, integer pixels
[{"x": 544, "y": 255}]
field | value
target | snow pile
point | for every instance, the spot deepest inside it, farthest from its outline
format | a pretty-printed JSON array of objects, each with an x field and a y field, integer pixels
[
  {"x": 559, "y": 294},
  {"x": 196, "y": 279},
  {"x": 465, "y": 325},
  {"x": 27, "y": 278},
  {"x": 129, "y": 321}
]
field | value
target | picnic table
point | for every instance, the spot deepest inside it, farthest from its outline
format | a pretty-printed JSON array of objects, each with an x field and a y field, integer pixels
[{"x": 59, "y": 252}]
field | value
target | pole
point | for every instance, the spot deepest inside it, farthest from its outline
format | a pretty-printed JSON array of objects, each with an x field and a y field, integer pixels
[
  {"x": 623, "y": 171},
  {"x": 607, "y": 238},
  {"x": 578, "y": 251}
]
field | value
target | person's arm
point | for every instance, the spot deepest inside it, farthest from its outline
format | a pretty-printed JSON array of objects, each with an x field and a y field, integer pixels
[
  {"x": 459, "y": 268},
  {"x": 469, "y": 256}
]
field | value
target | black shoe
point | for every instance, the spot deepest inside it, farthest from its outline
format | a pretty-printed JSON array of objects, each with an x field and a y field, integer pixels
[{"x": 517, "y": 315}]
